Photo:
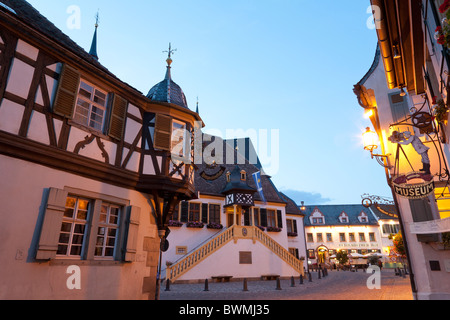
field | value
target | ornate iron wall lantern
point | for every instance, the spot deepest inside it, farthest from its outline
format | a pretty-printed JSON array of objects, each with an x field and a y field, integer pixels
[{"x": 370, "y": 140}]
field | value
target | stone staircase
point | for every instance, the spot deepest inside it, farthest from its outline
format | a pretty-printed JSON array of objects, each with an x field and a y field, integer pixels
[{"x": 234, "y": 233}]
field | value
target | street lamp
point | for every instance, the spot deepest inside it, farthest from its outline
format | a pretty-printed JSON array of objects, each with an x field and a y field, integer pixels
[
  {"x": 303, "y": 208},
  {"x": 370, "y": 140}
]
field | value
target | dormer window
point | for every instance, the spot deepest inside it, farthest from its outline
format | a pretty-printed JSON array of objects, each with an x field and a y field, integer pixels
[
  {"x": 363, "y": 217},
  {"x": 317, "y": 217},
  {"x": 243, "y": 175},
  {"x": 228, "y": 176},
  {"x": 343, "y": 217}
]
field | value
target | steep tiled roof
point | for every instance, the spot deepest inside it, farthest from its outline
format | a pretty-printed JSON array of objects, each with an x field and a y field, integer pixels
[
  {"x": 291, "y": 207},
  {"x": 27, "y": 14},
  {"x": 216, "y": 187},
  {"x": 168, "y": 91},
  {"x": 332, "y": 212},
  {"x": 384, "y": 211}
]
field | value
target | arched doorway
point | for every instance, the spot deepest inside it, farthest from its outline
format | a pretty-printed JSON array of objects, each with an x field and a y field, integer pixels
[{"x": 322, "y": 255}]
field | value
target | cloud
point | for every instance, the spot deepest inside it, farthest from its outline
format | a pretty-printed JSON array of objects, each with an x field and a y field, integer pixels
[{"x": 310, "y": 198}]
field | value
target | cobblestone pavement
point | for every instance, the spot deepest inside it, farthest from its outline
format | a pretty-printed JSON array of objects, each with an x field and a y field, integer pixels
[{"x": 338, "y": 285}]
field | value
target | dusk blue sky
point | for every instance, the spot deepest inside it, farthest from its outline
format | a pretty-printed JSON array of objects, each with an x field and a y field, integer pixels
[{"x": 288, "y": 65}]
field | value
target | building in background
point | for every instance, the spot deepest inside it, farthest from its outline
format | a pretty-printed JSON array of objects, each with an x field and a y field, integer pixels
[
  {"x": 239, "y": 227},
  {"x": 405, "y": 95},
  {"x": 358, "y": 230},
  {"x": 87, "y": 179}
]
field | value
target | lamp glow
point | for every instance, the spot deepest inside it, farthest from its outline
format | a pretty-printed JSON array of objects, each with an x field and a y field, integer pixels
[{"x": 370, "y": 140}]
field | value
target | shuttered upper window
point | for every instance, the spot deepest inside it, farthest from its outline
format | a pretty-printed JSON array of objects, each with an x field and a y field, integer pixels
[
  {"x": 171, "y": 135},
  {"x": 91, "y": 106}
]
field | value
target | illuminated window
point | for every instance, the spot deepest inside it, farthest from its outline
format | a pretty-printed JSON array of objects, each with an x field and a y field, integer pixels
[
  {"x": 362, "y": 237},
  {"x": 351, "y": 237},
  {"x": 443, "y": 202},
  {"x": 74, "y": 226},
  {"x": 319, "y": 237}
]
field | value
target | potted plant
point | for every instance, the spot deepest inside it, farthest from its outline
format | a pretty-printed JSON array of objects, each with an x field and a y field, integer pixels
[
  {"x": 440, "y": 110},
  {"x": 195, "y": 224},
  {"x": 214, "y": 225},
  {"x": 273, "y": 229},
  {"x": 173, "y": 223}
]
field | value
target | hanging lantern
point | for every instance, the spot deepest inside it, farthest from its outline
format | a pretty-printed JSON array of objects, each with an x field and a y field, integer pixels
[{"x": 370, "y": 140}]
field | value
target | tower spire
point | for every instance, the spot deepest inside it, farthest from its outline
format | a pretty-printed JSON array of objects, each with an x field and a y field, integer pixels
[
  {"x": 197, "y": 110},
  {"x": 93, "y": 51},
  {"x": 169, "y": 61}
]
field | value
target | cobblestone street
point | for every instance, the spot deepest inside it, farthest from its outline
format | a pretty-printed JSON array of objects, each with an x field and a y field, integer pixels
[{"x": 342, "y": 285}]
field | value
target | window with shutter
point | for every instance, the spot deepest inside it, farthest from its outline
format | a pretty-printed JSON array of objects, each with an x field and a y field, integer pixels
[
  {"x": 118, "y": 116},
  {"x": 271, "y": 218},
  {"x": 263, "y": 216},
  {"x": 184, "y": 211},
  {"x": 205, "y": 213},
  {"x": 66, "y": 94},
  {"x": 163, "y": 133},
  {"x": 400, "y": 109},
  {"x": 279, "y": 219},
  {"x": 421, "y": 211},
  {"x": 132, "y": 222},
  {"x": 90, "y": 107},
  {"x": 51, "y": 226}
]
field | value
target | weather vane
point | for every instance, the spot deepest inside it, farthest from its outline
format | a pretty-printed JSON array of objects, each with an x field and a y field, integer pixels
[
  {"x": 170, "y": 52},
  {"x": 97, "y": 18}
]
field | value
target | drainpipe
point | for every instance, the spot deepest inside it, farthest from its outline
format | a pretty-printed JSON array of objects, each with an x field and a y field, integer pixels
[{"x": 385, "y": 43}]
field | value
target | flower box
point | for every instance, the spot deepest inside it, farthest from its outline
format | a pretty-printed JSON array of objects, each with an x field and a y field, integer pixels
[
  {"x": 273, "y": 229},
  {"x": 292, "y": 234},
  {"x": 216, "y": 226},
  {"x": 195, "y": 225},
  {"x": 261, "y": 228},
  {"x": 173, "y": 223}
]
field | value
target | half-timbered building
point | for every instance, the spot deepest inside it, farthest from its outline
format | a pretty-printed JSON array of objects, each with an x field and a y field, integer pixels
[{"x": 88, "y": 180}]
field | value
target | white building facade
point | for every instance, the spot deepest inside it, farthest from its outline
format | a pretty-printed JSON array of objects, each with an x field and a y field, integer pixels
[{"x": 355, "y": 229}]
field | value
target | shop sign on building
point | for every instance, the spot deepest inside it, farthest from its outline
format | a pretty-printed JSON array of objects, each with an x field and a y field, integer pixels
[{"x": 404, "y": 188}]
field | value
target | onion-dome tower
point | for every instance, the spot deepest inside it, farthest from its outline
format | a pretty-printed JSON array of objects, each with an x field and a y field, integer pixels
[{"x": 167, "y": 90}]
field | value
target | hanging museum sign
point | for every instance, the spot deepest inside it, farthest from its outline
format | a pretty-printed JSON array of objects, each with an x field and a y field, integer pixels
[{"x": 404, "y": 188}]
